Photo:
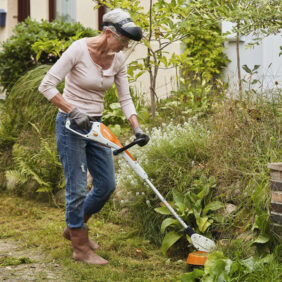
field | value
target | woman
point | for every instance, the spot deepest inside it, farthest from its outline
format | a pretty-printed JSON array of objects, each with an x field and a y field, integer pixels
[{"x": 90, "y": 66}]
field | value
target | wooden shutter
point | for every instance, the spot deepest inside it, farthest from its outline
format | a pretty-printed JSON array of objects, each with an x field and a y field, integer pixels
[
  {"x": 52, "y": 10},
  {"x": 23, "y": 10},
  {"x": 101, "y": 12}
]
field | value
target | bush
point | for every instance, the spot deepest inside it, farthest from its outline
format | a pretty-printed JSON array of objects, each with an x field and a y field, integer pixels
[
  {"x": 28, "y": 157},
  {"x": 25, "y": 105},
  {"x": 17, "y": 55}
]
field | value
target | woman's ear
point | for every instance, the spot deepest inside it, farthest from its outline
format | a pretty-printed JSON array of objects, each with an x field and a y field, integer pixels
[{"x": 108, "y": 32}]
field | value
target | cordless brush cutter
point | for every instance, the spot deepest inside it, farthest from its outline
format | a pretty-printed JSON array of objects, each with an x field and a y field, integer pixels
[{"x": 101, "y": 134}]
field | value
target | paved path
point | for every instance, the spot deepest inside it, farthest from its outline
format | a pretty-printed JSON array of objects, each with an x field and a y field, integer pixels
[{"x": 37, "y": 270}]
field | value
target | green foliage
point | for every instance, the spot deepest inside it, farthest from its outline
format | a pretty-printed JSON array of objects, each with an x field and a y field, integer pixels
[
  {"x": 41, "y": 166},
  {"x": 6, "y": 261},
  {"x": 220, "y": 268},
  {"x": 34, "y": 107},
  {"x": 31, "y": 156},
  {"x": 203, "y": 58},
  {"x": 233, "y": 143},
  {"x": 172, "y": 151},
  {"x": 18, "y": 53},
  {"x": 194, "y": 206}
]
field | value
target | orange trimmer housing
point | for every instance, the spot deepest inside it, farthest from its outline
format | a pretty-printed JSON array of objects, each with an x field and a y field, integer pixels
[{"x": 197, "y": 258}]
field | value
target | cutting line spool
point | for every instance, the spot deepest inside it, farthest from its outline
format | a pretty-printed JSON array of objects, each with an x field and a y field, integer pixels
[{"x": 197, "y": 258}]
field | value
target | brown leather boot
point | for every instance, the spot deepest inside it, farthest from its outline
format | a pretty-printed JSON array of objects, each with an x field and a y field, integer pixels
[
  {"x": 81, "y": 249},
  {"x": 93, "y": 245}
]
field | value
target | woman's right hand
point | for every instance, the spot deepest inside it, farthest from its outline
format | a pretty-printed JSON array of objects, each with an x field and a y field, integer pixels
[{"x": 80, "y": 119}]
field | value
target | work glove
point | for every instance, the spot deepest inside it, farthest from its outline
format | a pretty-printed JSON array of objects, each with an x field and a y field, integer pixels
[
  {"x": 140, "y": 134},
  {"x": 80, "y": 119}
]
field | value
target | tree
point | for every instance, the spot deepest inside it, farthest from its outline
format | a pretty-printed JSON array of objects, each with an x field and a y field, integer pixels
[{"x": 163, "y": 25}]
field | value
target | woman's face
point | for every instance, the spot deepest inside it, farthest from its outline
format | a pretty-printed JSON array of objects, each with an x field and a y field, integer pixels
[{"x": 118, "y": 42}]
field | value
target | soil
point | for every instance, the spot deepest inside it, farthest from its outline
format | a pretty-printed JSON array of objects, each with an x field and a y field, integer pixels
[{"x": 33, "y": 268}]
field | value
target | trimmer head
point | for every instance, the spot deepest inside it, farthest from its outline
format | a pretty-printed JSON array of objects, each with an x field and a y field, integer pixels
[{"x": 202, "y": 243}]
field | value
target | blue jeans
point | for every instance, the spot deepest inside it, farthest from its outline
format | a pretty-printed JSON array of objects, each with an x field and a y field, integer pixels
[{"x": 78, "y": 154}]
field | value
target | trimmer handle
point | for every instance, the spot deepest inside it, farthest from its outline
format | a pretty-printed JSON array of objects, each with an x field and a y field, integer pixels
[{"x": 134, "y": 142}]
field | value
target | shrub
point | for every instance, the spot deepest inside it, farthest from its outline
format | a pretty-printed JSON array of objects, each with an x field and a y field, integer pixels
[
  {"x": 25, "y": 105},
  {"x": 36, "y": 164},
  {"x": 17, "y": 55},
  {"x": 27, "y": 138}
]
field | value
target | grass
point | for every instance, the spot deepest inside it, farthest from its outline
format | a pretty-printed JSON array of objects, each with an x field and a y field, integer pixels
[
  {"x": 131, "y": 257},
  {"x": 14, "y": 261}
]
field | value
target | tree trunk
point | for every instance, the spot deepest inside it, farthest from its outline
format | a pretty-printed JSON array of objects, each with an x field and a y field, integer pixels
[
  {"x": 152, "y": 87},
  {"x": 152, "y": 93},
  {"x": 238, "y": 59}
]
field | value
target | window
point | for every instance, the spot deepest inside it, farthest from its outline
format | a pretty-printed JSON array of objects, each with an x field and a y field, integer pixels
[
  {"x": 23, "y": 10},
  {"x": 64, "y": 10}
]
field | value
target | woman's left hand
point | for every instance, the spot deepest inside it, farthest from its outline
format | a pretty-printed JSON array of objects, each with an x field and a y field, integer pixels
[{"x": 141, "y": 135}]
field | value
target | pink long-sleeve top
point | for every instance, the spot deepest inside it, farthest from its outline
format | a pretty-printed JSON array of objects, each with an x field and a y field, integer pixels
[{"x": 86, "y": 82}]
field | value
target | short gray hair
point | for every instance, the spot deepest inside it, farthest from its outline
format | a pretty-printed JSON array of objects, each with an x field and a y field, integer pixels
[
  {"x": 111, "y": 28},
  {"x": 116, "y": 16}
]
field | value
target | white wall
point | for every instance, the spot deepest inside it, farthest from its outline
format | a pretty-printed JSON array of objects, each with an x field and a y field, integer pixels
[
  {"x": 266, "y": 54},
  {"x": 85, "y": 13},
  {"x": 39, "y": 9}
]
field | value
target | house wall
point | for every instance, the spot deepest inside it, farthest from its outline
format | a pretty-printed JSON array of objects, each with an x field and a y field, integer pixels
[
  {"x": 266, "y": 54},
  {"x": 11, "y": 7},
  {"x": 85, "y": 13},
  {"x": 39, "y": 9}
]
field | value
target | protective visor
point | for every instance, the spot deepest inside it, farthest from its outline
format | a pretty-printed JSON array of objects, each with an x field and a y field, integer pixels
[{"x": 131, "y": 32}]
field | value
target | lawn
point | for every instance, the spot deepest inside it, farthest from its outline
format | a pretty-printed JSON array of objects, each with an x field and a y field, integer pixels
[{"x": 34, "y": 225}]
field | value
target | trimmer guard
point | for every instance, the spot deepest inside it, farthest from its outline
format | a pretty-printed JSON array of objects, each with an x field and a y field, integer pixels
[{"x": 203, "y": 243}]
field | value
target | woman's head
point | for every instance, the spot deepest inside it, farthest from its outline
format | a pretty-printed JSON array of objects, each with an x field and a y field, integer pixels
[{"x": 120, "y": 23}]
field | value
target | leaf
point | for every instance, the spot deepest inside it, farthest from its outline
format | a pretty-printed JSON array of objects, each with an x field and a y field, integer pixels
[
  {"x": 43, "y": 189},
  {"x": 218, "y": 267},
  {"x": 163, "y": 210},
  {"x": 246, "y": 69},
  {"x": 170, "y": 239},
  {"x": 179, "y": 200},
  {"x": 213, "y": 206},
  {"x": 249, "y": 263},
  {"x": 190, "y": 277},
  {"x": 115, "y": 106},
  {"x": 261, "y": 239},
  {"x": 256, "y": 67},
  {"x": 203, "y": 223},
  {"x": 167, "y": 222}
]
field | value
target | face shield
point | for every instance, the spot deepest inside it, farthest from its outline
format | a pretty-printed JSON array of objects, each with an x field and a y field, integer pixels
[
  {"x": 134, "y": 33},
  {"x": 129, "y": 31}
]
